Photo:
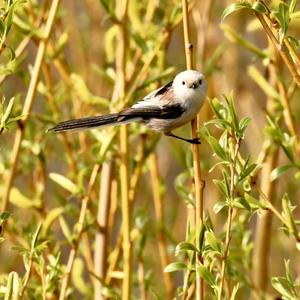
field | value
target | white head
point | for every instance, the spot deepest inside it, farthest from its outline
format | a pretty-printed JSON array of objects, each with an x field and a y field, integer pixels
[{"x": 190, "y": 85}]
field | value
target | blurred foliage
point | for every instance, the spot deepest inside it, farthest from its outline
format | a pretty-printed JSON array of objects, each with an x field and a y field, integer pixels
[{"x": 249, "y": 140}]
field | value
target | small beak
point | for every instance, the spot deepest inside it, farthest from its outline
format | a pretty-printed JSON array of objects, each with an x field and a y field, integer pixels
[{"x": 194, "y": 86}]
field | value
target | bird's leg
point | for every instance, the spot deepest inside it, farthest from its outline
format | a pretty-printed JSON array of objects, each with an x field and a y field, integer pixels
[{"x": 191, "y": 141}]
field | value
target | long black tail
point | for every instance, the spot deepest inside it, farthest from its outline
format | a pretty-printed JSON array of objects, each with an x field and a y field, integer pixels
[
  {"x": 124, "y": 117},
  {"x": 91, "y": 122}
]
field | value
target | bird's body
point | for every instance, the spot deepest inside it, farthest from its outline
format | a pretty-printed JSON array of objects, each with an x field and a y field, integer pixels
[{"x": 165, "y": 109}]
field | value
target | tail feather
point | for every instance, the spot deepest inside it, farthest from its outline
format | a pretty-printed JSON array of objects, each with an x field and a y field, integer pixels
[
  {"x": 85, "y": 123},
  {"x": 124, "y": 117}
]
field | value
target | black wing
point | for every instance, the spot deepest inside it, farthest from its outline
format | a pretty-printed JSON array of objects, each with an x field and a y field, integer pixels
[
  {"x": 146, "y": 113},
  {"x": 163, "y": 89},
  {"x": 158, "y": 92}
]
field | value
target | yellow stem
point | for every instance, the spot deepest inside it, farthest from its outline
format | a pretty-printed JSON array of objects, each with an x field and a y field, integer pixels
[
  {"x": 124, "y": 180},
  {"x": 101, "y": 239},
  {"x": 198, "y": 182},
  {"x": 282, "y": 50},
  {"x": 159, "y": 212}
]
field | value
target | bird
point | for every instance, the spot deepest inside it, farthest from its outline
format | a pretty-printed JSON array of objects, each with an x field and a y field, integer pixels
[{"x": 163, "y": 110}]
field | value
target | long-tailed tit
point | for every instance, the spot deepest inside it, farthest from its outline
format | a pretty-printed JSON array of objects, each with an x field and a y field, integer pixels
[{"x": 165, "y": 109}]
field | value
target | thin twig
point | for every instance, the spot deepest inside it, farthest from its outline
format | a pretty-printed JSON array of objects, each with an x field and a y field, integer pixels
[
  {"x": 79, "y": 230},
  {"x": 229, "y": 217},
  {"x": 281, "y": 49}
]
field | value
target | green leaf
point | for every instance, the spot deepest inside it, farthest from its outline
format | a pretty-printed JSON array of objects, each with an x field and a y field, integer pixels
[
  {"x": 206, "y": 275},
  {"x": 216, "y": 147},
  {"x": 7, "y": 113},
  {"x": 184, "y": 247},
  {"x": 50, "y": 218},
  {"x": 109, "y": 7},
  {"x": 259, "y": 7},
  {"x": 287, "y": 214},
  {"x": 4, "y": 216},
  {"x": 219, "y": 205},
  {"x": 64, "y": 182},
  {"x": 282, "y": 286},
  {"x": 35, "y": 236},
  {"x": 234, "y": 292},
  {"x": 232, "y": 111},
  {"x": 201, "y": 236},
  {"x": 247, "y": 171},
  {"x": 175, "y": 266},
  {"x": 254, "y": 203},
  {"x": 13, "y": 286},
  {"x": 279, "y": 171},
  {"x": 233, "y": 8},
  {"x": 22, "y": 201},
  {"x": 288, "y": 273},
  {"x": 78, "y": 278},
  {"x": 222, "y": 187},
  {"x": 292, "y": 6},
  {"x": 65, "y": 229},
  {"x": 2, "y": 27},
  {"x": 217, "y": 107},
  {"x": 212, "y": 241},
  {"x": 283, "y": 17},
  {"x": 240, "y": 202},
  {"x": 244, "y": 124}
]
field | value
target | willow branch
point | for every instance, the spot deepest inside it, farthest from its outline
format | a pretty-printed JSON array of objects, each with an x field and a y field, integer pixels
[
  {"x": 198, "y": 182},
  {"x": 79, "y": 230}
]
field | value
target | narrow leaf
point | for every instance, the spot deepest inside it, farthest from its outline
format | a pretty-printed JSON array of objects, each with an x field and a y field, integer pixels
[
  {"x": 279, "y": 171},
  {"x": 175, "y": 266},
  {"x": 64, "y": 182},
  {"x": 184, "y": 246},
  {"x": 206, "y": 275},
  {"x": 233, "y": 8}
]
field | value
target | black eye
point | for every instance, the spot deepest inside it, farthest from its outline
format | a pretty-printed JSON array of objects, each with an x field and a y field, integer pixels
[
  {"x": 183, "y": 82},
  {"x": 200, "y": 81}
]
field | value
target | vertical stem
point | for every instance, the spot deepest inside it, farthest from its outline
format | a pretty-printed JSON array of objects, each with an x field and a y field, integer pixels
[
  {"x": 159, "y": 212},
  {"x": 100, "y": 254},
  {"x": 126, "y": 289},
  {"x": 29, "y": 101},
  {"x": 80, "y": 226},
  {"x": 186, "y": 33},
  {"x": 261, "y": 249},
  {"x": 226, "y": 250},
  {"x": 121, "y": 72},
  {"x": 229, "y": 216},
  {"x": 198, "y": 182}
]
